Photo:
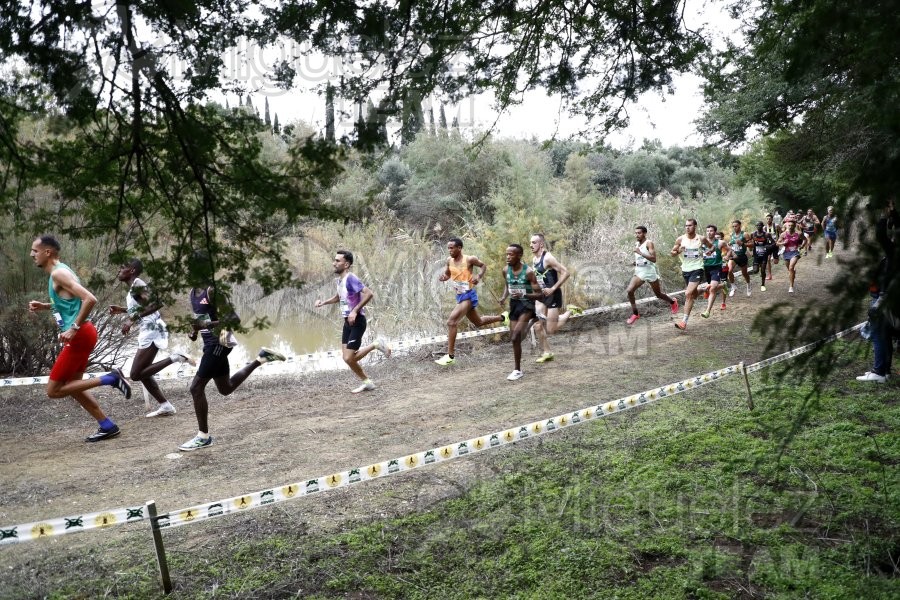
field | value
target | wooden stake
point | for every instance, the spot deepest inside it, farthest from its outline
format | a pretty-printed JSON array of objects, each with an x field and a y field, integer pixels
[{"x": 160, "y": 549}]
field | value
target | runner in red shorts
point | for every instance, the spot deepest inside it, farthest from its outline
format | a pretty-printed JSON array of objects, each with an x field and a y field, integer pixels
[{"x": 71, "y": 304}]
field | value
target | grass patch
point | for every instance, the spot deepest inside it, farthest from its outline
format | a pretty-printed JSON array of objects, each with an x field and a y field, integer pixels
[{"x": 694, "y": 497}]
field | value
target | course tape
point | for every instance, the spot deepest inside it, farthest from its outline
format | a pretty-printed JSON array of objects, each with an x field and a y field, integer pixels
[
  {"x": 440, "y": 454},
  {"x": 298, "y": 360}
]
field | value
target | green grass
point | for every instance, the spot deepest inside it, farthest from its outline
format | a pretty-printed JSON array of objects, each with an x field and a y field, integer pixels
[{"x": 695, "y": 497}]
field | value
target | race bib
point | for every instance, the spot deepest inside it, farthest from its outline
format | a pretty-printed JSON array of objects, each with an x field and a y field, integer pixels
[
  {"x": 691, "y": 253},
  {"x": 345, "y": 307},
  {"x": 460, "y": 287},
  {"x": 736, "y": 247},
  {"x": 517, "y": 291}
]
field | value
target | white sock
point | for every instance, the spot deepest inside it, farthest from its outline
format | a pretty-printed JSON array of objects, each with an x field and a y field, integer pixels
[{"x": 202, "y": 435}]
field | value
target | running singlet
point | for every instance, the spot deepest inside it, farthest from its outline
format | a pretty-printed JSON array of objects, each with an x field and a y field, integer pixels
[
  {"x": 737, "y": 244},
  {"x": 461, "y": 277},
  {"x": 644, "y": 268},
  {"x": 65, "y": 310},
  {"x": 200, "y": 306},
  {"x": 809, "y": 226},
  {"x": 519, "y": 285},
  {"x": 791, "y": 242},
  {"x": 691, "y": 257},
  {"x": 830, "y": 224},
  {"x": 546, "y": 277},
  {"x": 712, "y": 257},
  {"x": 349, "y": 293},
  {"x": 761, "y": 244},
  {"x": 770, "y": 229},
  {"x": 152, "y": 321}
]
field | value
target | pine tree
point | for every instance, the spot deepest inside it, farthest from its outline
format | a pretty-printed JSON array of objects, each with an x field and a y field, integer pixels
[
  {"x": 443, "y": 121},
  {"x": 431, "y": 119},
  {"x": 276, "y": 127},
  {"x": 329, "y": 113},
  {"x": 267, "y": 120}
]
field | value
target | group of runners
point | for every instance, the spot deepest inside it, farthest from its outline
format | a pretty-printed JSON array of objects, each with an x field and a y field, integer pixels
[{"x": 708, "y": 262}]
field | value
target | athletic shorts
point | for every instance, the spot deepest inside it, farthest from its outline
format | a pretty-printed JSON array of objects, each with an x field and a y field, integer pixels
[
  {"x": 647, "y": 274},
  {"x": 517, "y": 308},
  {"x": 831, "y": 235},
  {"x": 214, "y": 363},
  {"x": 555, "y": 300},
  {"x": 712, "y": 273},
  {"x": 740, "y": 260},
  {"x": 789, "y": 255},
  {"x": 154, "y": 335},
  {"x": 695, "y": 276},
  {"x": 761, "y": 258},
  {"x": 73, "y": 359},
  {"x": 471, "y": 296},
  {"x": 352, "y": 334}
]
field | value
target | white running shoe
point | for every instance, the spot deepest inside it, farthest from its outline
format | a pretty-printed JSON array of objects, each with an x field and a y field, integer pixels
[
  {"x": 367, "y": 386},
  {"x": 181, "y": 357},
  {"x": 165, "y": 409},
  {"x": 516, "y": 374},
  {"x": 791, "y": 290},
  {"x": 748, "y": 290},
  {"x": 267, "y": 355},
  {"x": 382, "y": 346},
  {"x": 870, "y": 376},
  {"x": 732, "y": 290}
]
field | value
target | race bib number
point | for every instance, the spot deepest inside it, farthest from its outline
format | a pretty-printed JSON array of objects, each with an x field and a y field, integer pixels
[
  {"x": 691, "y": 253},
  {"x": 58, "y": 318},
  {"x": 640, "y": 261},
  {"x": 736, "y": 247},
  {"x": 345, "y": 307},
  {"x": 517, "y": 291},
  {"x": 460, "y": 287},
  {"x": 761, "y": 250}
]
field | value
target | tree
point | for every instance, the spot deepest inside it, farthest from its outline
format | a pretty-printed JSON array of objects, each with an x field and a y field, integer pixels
[
  {"x": 276, "y": 127},
  {"x": 329, "y": 112},
  {"x": 267, "y": 119}
]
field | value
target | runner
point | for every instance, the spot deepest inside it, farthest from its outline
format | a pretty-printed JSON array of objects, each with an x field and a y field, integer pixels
[
  {"x": 460, "y": 274},
  {"x": 645, "y": 271},
  {"x": 773, "y": 228},
  {"x": 353, "y": 296},
  {"x": 689, "y": 247},
  {"x": 71, "y": 304},
  {"x": 809, "y": 223},
  {"x": 551, "y": 275},
  {"x": 726, "y": 256},
  {"x": 793, "y": 242},
  {"x": 215, "y": 331},
  {"x": 829, "y": 224},
  {"x": 519, "y": 277},
  {"x": 152, "y": 335},
  {"x": 763, "y": 246},
  {"x": 738, "y": 245},
  {"x": 712, "y": 268}
]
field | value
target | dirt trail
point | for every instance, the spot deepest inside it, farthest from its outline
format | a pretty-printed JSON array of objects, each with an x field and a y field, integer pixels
[{"x": 276, "y": 430}]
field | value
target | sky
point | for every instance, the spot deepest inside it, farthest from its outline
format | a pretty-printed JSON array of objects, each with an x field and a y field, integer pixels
[{"x": 666, "y": 117}]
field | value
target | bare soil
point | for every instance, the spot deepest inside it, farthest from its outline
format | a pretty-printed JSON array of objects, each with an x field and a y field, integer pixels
[{"x": 280, "y": 429}]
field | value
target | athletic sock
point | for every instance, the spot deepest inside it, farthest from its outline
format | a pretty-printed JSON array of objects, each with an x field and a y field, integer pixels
[
  {"x": 106, "y": 424},
  {"x": 685, "y": 319},
  {"x": 202, "y": 435}
]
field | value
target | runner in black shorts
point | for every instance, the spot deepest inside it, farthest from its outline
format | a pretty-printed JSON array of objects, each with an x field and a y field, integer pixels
[
  {"x": 551, "y": 275},
  {"x": 712, "y": 267},
  {"x": 763, "y": 246},
  {"x": 690, "y": 246},
  {"x": 738, "y": 243},
  {"x": 522, "y": 289},
  {"x": 215, "y": 330}
]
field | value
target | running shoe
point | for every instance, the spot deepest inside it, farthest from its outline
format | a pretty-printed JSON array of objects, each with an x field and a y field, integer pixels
[
  {"x": 706, "y": 293},
  {"x": 748, "y": 290},
  {"x": 705, "y": 314},
  {"x": 164, "y": 410},
  {"x": 181, "y": 357},
  {"x": 120, "y": 383},
  {"x": 516, "y": 374},
  {"x": 545, "y": 357},
  {"x": 723, "y": 306},
  {"x": 762, "y": 288},
  {"x": 445, "y": 360},
  {"x": 632, "y": 319},
  {"x": 732, "y": 290},
  {"x": 367, "y": 386},
  {"x": 675, "y": 306},
  {"x": 680, "y": 325},
  {"x": 382, "y": 346},
  {"x": 575, "y": 310},
  {"x": 195, "y": 443},
  {"x": 505, "y": 315},
  {"x": 869, "y": 376},
  {"x": 268, "y": 355},
  {"x": 791, "y": 290},
  {"x": 103, "y": 434}
]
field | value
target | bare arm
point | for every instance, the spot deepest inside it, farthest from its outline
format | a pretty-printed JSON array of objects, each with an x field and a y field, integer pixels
[
  {"x": 475, "y": 262},
  {"x": 536, "y": 293},
  {"x": 676, "y": 249},
  {"x": 446, "y": 274},
  {"x": 563, "y": 273},
  {"x": 651, "y": 251}
]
